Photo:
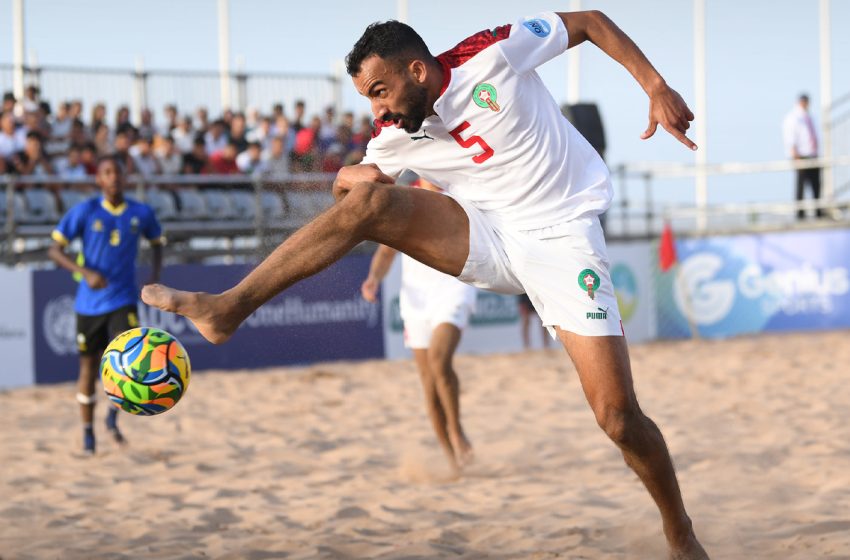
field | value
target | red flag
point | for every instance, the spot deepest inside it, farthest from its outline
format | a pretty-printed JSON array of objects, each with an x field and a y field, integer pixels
[{"x": 666, "y": 249}]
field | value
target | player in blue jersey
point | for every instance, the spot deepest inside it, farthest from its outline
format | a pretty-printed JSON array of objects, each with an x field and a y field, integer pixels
[{"x": 110, "y": 227}]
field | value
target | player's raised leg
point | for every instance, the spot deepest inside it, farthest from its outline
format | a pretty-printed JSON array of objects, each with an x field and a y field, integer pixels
[
  {"x": 430, "y": 227},
  {"x": 441, "y": 350},
  {"x": 603, "y": 367}
]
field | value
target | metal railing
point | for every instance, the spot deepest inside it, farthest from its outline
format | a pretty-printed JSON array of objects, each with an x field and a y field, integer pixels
[
  {"x": 641, "y": 212},
  {"x": 187, "y": 89},
  {"x": 203, "y": 216}
]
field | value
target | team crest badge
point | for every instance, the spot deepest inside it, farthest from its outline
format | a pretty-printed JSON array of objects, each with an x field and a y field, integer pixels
[
  {"x": 588, "y": 280},
  {"x": 484, "y": 95}
]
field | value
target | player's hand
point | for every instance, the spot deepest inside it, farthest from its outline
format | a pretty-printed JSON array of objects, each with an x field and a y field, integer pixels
[
  {"x": 350, "y": 175},
  {"x": 667, "y": 108},
  {"x": 94, "y": 279},
  {"x": 369, "y": 290}
]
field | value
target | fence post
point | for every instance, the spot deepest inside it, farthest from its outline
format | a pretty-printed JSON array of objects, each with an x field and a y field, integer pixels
[
  {"x": 647, "y": 186},
  {"x": 260, "y": 217},
  {"x": 10, "y": 218},
  {"x": 140, "y": 89}
]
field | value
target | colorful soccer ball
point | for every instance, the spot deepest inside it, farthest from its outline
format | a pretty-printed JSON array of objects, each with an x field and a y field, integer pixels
[{"x": 145, "y": 371}]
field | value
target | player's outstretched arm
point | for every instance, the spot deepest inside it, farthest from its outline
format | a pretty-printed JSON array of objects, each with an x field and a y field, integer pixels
[
  {"x": 382, "y": 260},
  {"x": 666, "y": 106}
]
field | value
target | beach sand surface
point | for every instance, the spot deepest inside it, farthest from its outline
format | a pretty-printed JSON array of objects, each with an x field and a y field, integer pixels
[{"x": 338, "y": 461}]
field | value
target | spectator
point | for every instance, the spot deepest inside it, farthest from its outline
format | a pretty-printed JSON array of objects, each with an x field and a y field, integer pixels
[
  {"x": 122, "y": 119},
  {"x": 237, "y": 132},
  {"x": 261, "y": 133},
  {"x": 122, "y": 152},
  {"x": 305, "y": 152},
  {"x": 277, "y": 111},
  {"x": 363, "y": 134},
  {"x": 223, "y": 162},
  {"x": 348, "y": 120},
  {"x": 146, "y": 128},
  {"x": 9, "y": 103},
  {"x": 77, "y": 136},
  {"x": 62, "y": 122},
  {"x": 252, "y": 118},
  {"x": 71, "y": 167},
  {"x": 32, "y": 160},
  {"x": 88, "y": 157},
  {"x": 248, "y": 161},
  {"x": 171, "y": 119},
  {"x": 101, "y": 139},
  {"x": 144, "y": 160},
  {"x": 98, "y": 117},
  {"x": 184, "y": 135},
  {"x": 333, "y": 159},
  {"x": 216, "y": 137},
  {"x": 801, "y": 143},
  {"x": 29, "y": 104},
  {"x": 276, "y": 158},
  {"x": 327, "y": 130},
  {"x": 298, "y": 121},
  {"x": 12, "y": 138},
  {"x": 202, "y": 122},
  {"x": 76, "y": 111},
  {"x": 196, "y": 161},
  {"x": 169, "y": 157}
]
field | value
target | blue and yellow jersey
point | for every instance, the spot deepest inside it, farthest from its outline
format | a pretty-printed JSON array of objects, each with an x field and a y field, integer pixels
[{"x": 110, "y": 238}]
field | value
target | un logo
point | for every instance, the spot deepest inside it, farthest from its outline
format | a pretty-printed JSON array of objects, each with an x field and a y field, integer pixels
[{"x": 59, "y": 325}]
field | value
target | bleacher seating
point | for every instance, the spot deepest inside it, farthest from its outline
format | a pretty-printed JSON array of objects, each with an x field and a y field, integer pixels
[
  {"x": 162, "y": 203},
  {"x": 219, "y": 204},
  {"x": 41, "y": 207},
  {"x": 70, "y": 198},
  {"x": 192, "y": 204}
]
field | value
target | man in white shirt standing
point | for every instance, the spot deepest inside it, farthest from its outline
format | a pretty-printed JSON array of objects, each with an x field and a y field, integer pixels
[
  {"x": 801, "y": 143},
  {"x": 525, "y": 190}
]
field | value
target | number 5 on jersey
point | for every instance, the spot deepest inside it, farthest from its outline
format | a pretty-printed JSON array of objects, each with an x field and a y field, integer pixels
[{"x": 472, "y": 141}]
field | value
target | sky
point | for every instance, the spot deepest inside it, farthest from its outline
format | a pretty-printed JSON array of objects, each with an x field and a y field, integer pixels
[{"x": 760, "y": 55}]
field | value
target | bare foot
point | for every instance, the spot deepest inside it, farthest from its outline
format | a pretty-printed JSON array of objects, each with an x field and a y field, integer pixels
[
  {"x": 208, "y": 312},
  {"x": 691, "y": 549},
  {"x": 464, "y": 455}
]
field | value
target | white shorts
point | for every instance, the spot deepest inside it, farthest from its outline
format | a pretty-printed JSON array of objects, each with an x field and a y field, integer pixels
[
  {"x": 563, "y": 269},
  {"x": 429, "y": 298}
]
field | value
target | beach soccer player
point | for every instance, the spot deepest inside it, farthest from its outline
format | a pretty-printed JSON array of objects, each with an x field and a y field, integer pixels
[
  {"x": 435, "y": 308},
  {"x": 110, "y": 226},
  {"x": 525, "y": 192}
]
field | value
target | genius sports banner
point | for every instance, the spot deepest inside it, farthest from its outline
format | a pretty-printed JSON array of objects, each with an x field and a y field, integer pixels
[
  {"x": 320, "y": 319},
  {"x": 742, "y": 284}
]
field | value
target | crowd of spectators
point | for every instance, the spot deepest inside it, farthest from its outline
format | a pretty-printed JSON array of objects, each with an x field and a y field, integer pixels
[{"x": 36, "y": 140}]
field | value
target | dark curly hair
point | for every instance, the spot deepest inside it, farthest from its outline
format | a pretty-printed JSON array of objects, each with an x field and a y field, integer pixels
[{"x": 390, "y": 40}]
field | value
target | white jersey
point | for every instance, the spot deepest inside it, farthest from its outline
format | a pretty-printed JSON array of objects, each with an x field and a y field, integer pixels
[
  {"x": 426, "y": 292},
  {"x": 498, "y": 139}
]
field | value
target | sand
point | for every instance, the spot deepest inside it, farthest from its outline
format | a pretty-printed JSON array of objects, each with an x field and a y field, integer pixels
[{"x": 338, "y": 461}]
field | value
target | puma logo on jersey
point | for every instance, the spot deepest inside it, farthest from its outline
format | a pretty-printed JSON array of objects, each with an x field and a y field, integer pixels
[{"x": 424, "y": 135}]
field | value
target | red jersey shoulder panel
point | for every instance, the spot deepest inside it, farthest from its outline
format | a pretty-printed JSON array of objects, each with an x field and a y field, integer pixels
[
  {"x": 378, "y": 125},
  {"x": 473, "y": 45}
]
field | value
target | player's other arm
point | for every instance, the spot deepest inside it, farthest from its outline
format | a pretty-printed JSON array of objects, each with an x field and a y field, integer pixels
[
  {"x": 351, "y": 175},
  {"x": 57, "y": 254},
  {"x": 382, "y": 260},
  {"x": 156, "y": 261},
  {"x": 666, "y": 106}
]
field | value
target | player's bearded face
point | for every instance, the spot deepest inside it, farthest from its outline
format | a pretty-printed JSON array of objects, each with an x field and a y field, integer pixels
[{"x": 413, "y": 110}]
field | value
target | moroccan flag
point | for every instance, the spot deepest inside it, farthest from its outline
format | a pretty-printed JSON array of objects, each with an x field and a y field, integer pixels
[{"x": 666, "y": 249}]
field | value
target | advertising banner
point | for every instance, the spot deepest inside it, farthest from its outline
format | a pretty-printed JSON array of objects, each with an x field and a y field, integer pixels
[
  {"x": 631, "y": 273},
  {"x": 16, "y": 328},
  {"x": 788, "y": 281},
  {"x": 494, "y": 327},
  {"x": 322, "y": 318}
]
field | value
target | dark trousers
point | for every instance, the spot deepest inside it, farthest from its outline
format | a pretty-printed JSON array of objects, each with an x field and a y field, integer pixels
[{"x": 812, "y": 177}]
